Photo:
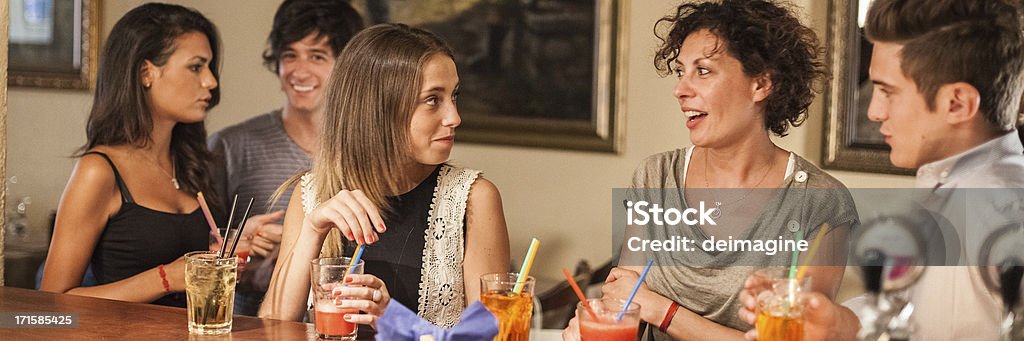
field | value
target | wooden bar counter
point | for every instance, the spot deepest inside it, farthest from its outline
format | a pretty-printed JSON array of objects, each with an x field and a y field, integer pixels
[{"x": 102, "y": 319}]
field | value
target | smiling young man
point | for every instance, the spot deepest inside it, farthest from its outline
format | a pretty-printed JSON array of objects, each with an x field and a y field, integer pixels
[
  {"x": 948, "y": 82},
  {"x": 255, "y": 157}
]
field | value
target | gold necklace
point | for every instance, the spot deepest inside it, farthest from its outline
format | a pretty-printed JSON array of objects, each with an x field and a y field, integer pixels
[
  {"x": 171, "y": 174},
  {"x": 716, "y": 212}
]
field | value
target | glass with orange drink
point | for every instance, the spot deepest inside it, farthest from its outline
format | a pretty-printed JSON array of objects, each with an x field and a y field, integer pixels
[
  {"x": 780, "y": 311},
  {"x": 513, "y": 310}
]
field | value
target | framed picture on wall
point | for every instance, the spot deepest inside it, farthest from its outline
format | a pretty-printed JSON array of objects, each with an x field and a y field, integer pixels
[
  {"x": 852, "y": 141},
  {"x": 540, "y": 73},
  {"x": 53, "y": 43}
]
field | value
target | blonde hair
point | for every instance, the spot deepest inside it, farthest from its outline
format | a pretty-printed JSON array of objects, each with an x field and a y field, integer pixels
[{"x": 371, "y": 95}]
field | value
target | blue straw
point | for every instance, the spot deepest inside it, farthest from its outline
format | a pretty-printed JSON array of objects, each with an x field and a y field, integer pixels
[
  {"x": 636, "y": 288},
  {"x": 359, "y": 255},
  {"x": 355, "y": 261}
]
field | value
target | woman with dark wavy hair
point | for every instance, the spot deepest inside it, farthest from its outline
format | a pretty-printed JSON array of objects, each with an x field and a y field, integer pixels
[
  {"x": 129, "y": 210},
  {"x": 746, "y": 70}
]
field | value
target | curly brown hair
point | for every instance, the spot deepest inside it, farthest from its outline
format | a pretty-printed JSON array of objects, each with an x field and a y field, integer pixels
[{"x": 766, "y": 37}]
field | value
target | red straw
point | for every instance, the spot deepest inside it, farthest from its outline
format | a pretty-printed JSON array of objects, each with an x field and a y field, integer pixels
[
  {"x": 209, "y": 218},
  {"x": 579, "y": 293}
]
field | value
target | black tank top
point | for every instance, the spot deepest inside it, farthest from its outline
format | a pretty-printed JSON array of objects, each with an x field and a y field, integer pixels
[
  {"x": 397, "y": 258},
  {"x": 137, "y": 239}
]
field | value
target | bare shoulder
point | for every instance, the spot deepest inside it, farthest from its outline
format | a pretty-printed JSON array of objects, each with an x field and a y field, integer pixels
[
  {"x": 93, "y": 170},
  {"x": 483, "y": 190},
  {"x": 485, "y": 223},
  {"x": 92, "y": 187}
]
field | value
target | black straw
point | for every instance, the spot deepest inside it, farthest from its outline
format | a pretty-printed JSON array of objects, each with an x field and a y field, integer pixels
[
  {"x": 227, "y": 229},
  {"x": 241, "y": 224}
]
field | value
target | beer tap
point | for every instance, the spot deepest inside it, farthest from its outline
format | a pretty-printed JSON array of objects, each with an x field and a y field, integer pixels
[
  {"x": 890, "y": 251},
  {"x": 1002, "y": 269}
]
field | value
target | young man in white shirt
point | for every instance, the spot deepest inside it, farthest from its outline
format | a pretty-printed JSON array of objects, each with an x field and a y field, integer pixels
[{"x": 948, "y": 78}]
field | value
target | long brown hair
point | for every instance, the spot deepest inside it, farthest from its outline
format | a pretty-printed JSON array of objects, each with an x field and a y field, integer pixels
[
  {"x": 120, "y": 114},
  {"x": 371, "y": 96}
]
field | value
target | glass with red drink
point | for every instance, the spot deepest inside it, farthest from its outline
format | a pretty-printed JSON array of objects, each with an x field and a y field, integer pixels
[
  {"x": 602, "y": 321},
  {"x": 326, "y": 274}
]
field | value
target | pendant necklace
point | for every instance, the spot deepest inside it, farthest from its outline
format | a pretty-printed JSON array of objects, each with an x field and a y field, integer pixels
[
  {"x": 716, "y": 212},
  {"x": 171, "y": 174}
]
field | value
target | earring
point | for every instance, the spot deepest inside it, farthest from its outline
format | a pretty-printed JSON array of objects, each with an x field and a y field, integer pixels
[{"x": 147, "y": 85}]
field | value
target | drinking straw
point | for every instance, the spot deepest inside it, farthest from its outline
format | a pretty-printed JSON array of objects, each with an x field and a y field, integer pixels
[
  {"x": 227, "y": 228},
  {"x": 356, "y": 257},
  {"x": 579, "y": 293},
  {"x": 527, "y": 263},
  {"x": 796, "y": 255},
  {"x": 810, "y": 253},
  {"x": 636, "y": 288},
  {"x": 355, "y": 260},
  {"x": 794, "y": 283},
  {"x": 241, "y": 224},
  {"x": 209, "y": 217}
]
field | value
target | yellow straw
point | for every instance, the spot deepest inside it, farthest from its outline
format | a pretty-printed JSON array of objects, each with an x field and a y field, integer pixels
[
  {"x": 355, "y": 259},
  {"x": 355, "y": 256},
  {"x": 527, "y": 263},
  {"x": 810, "y": 253}
]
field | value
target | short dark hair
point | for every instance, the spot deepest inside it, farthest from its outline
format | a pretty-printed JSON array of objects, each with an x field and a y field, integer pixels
[
  {"x": 296, "y": 19},
  {"x": 765, "y": 37},
  {"x": 120, "y": 114},
  {"x": 947, "y": 41}
]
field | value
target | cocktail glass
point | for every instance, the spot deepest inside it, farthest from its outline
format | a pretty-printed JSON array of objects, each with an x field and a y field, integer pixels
[
  {"x": 326, "y": 274},
  {"x": 210, "y": 292},
  {"x": 513, "y": 310},
  {"x": 780, "y": 311},
  {"x": 603, "y": 324}
]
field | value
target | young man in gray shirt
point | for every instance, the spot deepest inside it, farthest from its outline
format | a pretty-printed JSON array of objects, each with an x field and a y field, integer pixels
[{"x": 255, "y": 157}]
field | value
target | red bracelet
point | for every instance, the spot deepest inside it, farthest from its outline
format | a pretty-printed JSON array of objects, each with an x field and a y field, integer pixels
[
  {"x": 163, "y": 278},
  {"x": 668, "y": 317}
]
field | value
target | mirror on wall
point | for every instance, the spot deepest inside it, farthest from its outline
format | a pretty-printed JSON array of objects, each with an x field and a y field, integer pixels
[{"x": 852, "y": 141}]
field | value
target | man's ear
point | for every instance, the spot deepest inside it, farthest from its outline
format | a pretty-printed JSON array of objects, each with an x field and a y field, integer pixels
[
  {"x": 762, "y": 87},
  {"x": 960, "y": 101}
]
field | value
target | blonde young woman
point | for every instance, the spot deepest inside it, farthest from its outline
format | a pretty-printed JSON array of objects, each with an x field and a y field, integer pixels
[{"x": 381, "y": 178}]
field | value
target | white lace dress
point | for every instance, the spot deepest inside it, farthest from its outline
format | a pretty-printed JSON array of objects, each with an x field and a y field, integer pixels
[{"x": 442, "y": 295}]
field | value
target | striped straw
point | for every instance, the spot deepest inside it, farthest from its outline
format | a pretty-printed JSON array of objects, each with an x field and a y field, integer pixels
[
  {"x": 524, "y": 272},
  {"x": 355, "y": 260}
]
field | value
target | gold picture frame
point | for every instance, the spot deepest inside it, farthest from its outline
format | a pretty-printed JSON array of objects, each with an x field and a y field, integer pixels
[
  {"x": 852, "y": 142},
  {"x": 3, "y": 132},
  {"x": 53, "y": 43},
  {"x": 537, "y": 73}
]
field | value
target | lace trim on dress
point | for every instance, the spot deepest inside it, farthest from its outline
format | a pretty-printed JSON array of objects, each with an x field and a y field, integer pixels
[
  {"x": 308, "y": 193},
  {"x": 442, "y": 288}
]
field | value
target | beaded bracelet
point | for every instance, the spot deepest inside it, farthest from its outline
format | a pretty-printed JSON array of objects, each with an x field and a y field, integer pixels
[{"x": 163, "y": 278}]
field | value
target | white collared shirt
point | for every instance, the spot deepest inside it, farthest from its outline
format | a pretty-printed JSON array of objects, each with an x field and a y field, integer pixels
[
  {"x": 952, "y": 302},
  {"x": 998, "y": 163}
]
